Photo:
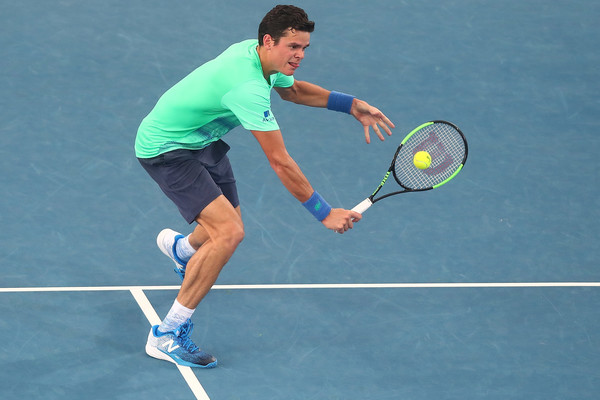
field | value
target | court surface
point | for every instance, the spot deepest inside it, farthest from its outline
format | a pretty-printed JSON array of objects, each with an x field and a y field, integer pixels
[{"x": 487, "y": 288}]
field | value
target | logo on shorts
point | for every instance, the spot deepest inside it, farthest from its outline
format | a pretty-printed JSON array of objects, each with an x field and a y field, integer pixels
[{"x": 268, "y": 117}]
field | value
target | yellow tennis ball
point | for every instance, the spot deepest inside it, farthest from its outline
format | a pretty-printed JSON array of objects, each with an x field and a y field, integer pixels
[{"x": 422, "y": 160}]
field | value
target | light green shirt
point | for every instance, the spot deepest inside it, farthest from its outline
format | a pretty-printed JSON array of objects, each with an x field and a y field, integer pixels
[{"x": 212, "y": 100}]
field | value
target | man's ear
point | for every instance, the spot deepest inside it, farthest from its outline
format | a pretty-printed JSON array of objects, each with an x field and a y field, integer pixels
[{"x": 268, "y": 41}]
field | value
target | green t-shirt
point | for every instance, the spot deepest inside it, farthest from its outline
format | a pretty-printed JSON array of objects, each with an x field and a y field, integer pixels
[{"x": 212, "y": 100}]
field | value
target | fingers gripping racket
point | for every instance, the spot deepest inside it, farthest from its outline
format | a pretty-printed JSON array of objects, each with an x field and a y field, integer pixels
[{"x": 447, "y": 149}]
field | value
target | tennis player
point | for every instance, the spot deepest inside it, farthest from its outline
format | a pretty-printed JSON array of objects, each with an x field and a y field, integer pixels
[{"x": 179, "y": 144}]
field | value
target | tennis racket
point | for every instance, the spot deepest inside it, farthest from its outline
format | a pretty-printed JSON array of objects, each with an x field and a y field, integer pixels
[{"x": 448, "y": 149}]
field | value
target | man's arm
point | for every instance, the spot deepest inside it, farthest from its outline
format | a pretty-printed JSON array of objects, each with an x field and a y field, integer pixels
[
  {"x": 284, "y": 166},
  {"x": 309, "y": 94},
  {"x": 293, "y": 179},
  {"x": 306, "y": 93}
]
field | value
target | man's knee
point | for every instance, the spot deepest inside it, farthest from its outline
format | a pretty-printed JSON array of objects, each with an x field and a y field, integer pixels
[
  {"x": 223, "y": 223},
  {"x": 230, "y": 235},
  {"x": 237, "y": 234}
]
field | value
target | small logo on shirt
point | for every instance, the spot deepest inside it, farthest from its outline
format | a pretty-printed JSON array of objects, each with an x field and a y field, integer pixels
[{"x": 268, "y": 117}]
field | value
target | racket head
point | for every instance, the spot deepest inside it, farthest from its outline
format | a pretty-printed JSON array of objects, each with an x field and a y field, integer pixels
[{"x": 447, "y": 146}]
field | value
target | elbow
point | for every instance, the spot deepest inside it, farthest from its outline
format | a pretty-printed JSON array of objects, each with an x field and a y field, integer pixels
[
  {"x": 289, "y": 94},
  {"x": 291, "y": 97}
]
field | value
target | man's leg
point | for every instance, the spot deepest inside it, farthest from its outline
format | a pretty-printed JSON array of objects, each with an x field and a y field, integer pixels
[
  {"x": 179, "y": 248},
  {"x": 222, "y": 224},
  {"x": 199, "y": 234},
  {"x": 222, "y": 231}
]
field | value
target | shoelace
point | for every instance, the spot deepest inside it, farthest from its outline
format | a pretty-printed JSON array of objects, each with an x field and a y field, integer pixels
[{"x": 184, "y": 337}]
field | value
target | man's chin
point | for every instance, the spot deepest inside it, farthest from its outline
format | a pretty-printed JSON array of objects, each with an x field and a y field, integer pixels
[{"x": 291, "y": 69}]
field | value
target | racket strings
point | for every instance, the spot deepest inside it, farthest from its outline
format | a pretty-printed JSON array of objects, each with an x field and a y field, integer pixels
[{"x": 446, "y": 147}]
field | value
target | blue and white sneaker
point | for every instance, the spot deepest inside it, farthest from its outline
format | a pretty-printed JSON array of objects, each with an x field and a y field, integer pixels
[
  {"x": 167, "y": 243},
  {"x": 177, "y": 347}
]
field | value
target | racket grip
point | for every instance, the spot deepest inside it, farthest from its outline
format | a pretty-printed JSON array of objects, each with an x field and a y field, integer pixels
[{"x": 363, "y": 206}]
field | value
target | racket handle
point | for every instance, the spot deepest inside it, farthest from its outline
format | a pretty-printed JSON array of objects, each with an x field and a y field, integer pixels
[{"x": 363, "y": 206}]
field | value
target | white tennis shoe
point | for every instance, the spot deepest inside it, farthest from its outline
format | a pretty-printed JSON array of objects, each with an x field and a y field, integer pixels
[
  {"x": 167, "y": 243},
  {"x": 177, "y": 347}
]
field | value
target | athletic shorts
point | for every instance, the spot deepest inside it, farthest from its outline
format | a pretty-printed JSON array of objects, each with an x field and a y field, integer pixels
[{"x": 192, "y": 179}]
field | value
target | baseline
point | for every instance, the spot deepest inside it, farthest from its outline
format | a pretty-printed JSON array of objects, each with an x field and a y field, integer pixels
[{"x": 308, "y": 286}]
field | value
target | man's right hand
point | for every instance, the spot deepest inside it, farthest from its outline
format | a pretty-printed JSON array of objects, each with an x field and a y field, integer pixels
[{"x": 340, "y": 220}]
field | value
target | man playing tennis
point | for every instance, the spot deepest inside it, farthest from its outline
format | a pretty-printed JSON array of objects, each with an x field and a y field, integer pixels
[{"x": 179, "y": 145}]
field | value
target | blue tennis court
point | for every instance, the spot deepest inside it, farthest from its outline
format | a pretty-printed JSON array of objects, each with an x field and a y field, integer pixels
[{"x": 486, "y": 288}]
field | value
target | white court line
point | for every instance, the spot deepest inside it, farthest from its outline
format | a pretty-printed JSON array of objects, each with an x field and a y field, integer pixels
[
  {"x": 311, "y": 286},
  {"x": 85, "y": 288},
  {"x": 154, "y": 319}
]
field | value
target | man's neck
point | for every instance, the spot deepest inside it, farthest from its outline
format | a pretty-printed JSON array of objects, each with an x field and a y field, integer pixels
[{"x": 263, "y": 58}]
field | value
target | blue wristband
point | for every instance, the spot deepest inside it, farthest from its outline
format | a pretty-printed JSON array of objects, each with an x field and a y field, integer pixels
[
  {"x": 340, "y": 102},
  {"x": 317, "y": 206}
]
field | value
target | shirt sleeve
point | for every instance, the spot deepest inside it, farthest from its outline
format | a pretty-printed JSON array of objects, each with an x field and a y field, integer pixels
[
  {"x": 282, "y": 80},
  {"x": 251, "y": 104}
]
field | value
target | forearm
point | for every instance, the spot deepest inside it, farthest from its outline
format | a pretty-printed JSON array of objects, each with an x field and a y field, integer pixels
[
  {"x": 292, "y": 178},
  {"x": 296, "y": 183}
]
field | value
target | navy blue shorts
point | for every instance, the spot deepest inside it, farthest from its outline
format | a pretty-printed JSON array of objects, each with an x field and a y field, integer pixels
[{"x": 192, "y": 179}]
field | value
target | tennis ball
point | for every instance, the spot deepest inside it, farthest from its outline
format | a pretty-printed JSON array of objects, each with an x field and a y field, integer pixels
[{"x": 422, "y": 160}]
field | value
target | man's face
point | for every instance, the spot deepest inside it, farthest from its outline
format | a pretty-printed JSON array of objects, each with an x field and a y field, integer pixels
[{"x": 289, "y": 51}]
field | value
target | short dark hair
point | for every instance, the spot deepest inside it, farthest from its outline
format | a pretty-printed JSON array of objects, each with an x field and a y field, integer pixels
[{"x": 280, "y": 19}]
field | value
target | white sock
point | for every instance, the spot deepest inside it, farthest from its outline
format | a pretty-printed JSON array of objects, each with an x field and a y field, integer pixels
[
  {"x": 184, "y": 249},
  {"x": 177, "y": 315}
]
